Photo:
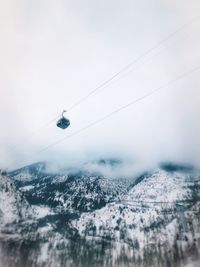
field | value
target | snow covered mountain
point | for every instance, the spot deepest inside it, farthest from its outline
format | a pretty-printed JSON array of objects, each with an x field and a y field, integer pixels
[
  {"x": 82, "y": 218},
  {"x": 13, "y": 206}
]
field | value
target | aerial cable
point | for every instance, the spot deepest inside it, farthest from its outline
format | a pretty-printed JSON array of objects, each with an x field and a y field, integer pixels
[
  {"x": 133, "y": 102},
  {"x": 122, "y": 70},
  {"x": 128, "y": 66},
  {"x": 152, "y": 92},
  {"x": 136, "y": 203},
  {"x": 113, "y": 77}
]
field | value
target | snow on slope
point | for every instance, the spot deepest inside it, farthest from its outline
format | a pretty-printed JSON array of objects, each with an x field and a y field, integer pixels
[
  {"x": 29, "y": 173},
  {"x": 151, "y": 222},
  {"x": 12, "y": 206},
  {"x": 161, "y": 186},
  {"x": 140, "y": 212}
]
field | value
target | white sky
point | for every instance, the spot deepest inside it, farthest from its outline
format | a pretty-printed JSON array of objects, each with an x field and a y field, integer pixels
[{"x": 55, "y": 52}]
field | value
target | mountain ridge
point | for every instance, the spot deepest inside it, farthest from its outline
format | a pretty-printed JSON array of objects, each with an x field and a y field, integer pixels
[{"x": 148, "y": 220}]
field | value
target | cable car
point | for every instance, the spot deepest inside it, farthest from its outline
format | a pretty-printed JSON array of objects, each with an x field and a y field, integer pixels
[{"x": 63, "y": 122}]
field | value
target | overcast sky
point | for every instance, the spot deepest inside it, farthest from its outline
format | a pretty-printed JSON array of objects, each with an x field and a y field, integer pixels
[{"x": 52, "y": 53}]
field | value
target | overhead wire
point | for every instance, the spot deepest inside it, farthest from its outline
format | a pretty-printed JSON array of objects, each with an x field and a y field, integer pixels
[
  {"x": 108, "y": 81},
  {"x": 122, "y": 70},
  {"x": 124, "y": 107},
  {"x": 133, "y": 102},
  {"x": 129, "y": 65},
  {"x": 159, "y": 202}
]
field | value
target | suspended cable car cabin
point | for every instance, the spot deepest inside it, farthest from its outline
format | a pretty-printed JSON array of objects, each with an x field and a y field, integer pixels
[{"x": 63, "y": 122}]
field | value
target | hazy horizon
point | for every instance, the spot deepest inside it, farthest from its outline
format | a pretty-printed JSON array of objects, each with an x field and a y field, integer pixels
[{"x": 54, "y": 53}]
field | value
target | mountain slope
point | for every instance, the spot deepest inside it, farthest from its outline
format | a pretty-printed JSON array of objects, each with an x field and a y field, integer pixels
[
  {"x": 81, "y": 218},
  {"x": 78, "y": 190},
  {"x": 13, "y": 207}
]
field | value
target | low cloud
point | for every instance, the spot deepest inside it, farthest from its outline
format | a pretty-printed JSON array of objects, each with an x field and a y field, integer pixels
[{"x": 54, "y": 53}]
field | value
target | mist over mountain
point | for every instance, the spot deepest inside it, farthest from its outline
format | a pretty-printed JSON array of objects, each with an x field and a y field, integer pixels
[{"x": 79, "y": 217}]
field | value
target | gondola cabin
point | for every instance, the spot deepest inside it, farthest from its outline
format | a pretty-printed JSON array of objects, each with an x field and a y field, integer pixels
[{"x": 63, "y": 122}]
